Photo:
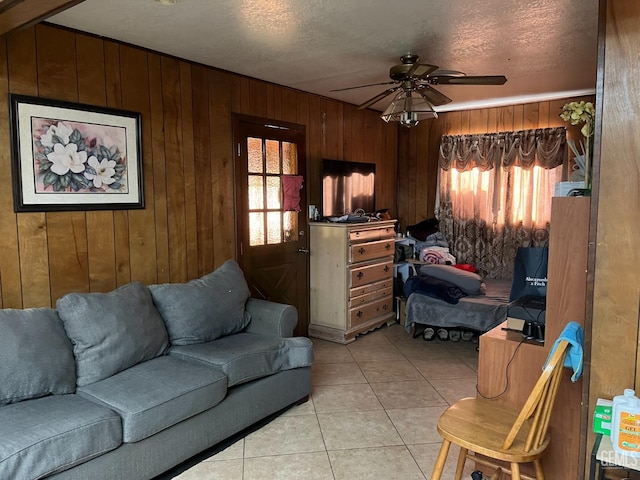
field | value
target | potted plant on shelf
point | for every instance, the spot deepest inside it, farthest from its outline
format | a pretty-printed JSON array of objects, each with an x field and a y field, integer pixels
[{"x": 581, "y": 113}]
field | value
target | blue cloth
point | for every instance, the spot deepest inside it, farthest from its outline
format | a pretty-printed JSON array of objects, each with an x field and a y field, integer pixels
[{"x": 574, "y": 335}]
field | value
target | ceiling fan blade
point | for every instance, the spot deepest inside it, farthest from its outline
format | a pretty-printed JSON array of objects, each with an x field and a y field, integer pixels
[
  {"x": 377, "y": 98},
  {"x": 433, "y": 96},
  {"x": 470, "y": 80},
  {"x": 362, "y": 86},
  {"x": 419, "y": 70},
  {"x": 447, "y": 73}
]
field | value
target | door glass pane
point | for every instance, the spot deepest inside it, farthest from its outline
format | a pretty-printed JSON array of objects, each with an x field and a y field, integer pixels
[
  {"x": 289, "y": 158},
  {"x": 256, "y": 228},
  {"x": 254, "y": 151},
  {"x": 290, "y": 228},
  {"x": 273, "y": 156},
  {"x": 273, "y": 193},
  {"x": 268, "y": 160},
  {"x": 256, "y": 192},
  {"x": 274, "y": 226}
]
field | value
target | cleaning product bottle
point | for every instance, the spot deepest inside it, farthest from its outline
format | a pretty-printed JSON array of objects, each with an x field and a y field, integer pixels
[
  {"x": 625, "y": 431},
  {"x": 618, "y": 400},
  {"x": 628, "y": 393}
]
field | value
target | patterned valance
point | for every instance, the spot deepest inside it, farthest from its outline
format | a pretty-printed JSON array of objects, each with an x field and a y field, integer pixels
[{"x": 543, "y": 147}]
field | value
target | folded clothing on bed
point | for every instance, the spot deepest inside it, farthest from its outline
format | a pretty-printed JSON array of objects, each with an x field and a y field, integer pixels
[
  {"x": 434, "y": 287},
  {"x": 469, "y": 282}
]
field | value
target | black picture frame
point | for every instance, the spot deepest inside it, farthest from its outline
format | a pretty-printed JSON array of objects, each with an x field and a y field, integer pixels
[{"x": 71, "y": 156}]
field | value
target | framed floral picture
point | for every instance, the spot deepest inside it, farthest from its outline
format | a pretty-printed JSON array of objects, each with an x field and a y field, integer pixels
[{"x": 68, "y": 156}]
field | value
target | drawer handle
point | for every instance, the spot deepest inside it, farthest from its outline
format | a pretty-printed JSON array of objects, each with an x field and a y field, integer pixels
[
  {"x": 359, "y": 313},
  {"x": 360, "y": 275},
  {"x": 388, "y": 246},
  {"x": 357, "y": 234},
  {"x": 385, "y": 306},
  {"x": 361, "y": 251},
  {"x": 386, "y": 268}
]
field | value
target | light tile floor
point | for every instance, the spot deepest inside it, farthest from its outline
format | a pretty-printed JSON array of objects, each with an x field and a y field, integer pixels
[{"x": 372, "y": 415}]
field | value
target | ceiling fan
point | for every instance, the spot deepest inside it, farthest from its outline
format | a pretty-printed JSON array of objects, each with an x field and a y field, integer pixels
[{"x": 414, "y": 81}]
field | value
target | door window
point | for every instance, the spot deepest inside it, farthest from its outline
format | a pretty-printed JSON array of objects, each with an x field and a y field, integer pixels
[{"x": 267, "y": 161}]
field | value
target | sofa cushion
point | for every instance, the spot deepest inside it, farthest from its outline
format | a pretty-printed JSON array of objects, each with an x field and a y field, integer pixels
[
  {"x": 36, "y": 357},
  {"x": 157, "y": 394},
  {"x": 112, "y": 331},
  {"x": 206, "y": 308},
  {"x": 54, "y": 433},
  {"x": 247, "y": 356}
]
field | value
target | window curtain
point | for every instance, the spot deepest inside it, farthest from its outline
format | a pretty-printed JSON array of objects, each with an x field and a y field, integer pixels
[{"x": 494, "y": 194}]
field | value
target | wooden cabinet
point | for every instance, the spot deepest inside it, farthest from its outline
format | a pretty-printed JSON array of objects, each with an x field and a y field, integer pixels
[
  {"x": 509, "y": 365},
  {"x": 351, "y": 269}
]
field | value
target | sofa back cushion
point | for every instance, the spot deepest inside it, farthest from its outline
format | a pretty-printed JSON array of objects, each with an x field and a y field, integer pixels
[
  {"x": 36, "y": 357},
  {"x": 112, "y": 331},
  {"x": 204, "y": 309}
]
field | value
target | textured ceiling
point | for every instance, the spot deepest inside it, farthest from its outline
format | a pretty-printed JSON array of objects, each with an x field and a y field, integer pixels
[{"x": 545, "y": 48}]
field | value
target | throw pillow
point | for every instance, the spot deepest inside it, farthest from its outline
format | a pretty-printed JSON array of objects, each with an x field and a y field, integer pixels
[
  {"x": 36, "y": 357},
  {"x": 206, "y": 308},
  {"x": 437, "y": 255},
  {"x": 112, "y": 331},
  {"x": 469, "y": 282}
]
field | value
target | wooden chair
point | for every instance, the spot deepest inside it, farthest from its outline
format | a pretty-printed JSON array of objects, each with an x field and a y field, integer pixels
[{"x": 497, "y": 432}]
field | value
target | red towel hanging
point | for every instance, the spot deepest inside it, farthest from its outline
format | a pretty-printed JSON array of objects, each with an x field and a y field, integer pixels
[{"x": 291, "y": 186}]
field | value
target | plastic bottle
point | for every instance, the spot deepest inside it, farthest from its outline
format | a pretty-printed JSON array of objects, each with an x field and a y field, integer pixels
[
  {"x": 625, "y": 430},
  {"x": 628, "y": 393}
]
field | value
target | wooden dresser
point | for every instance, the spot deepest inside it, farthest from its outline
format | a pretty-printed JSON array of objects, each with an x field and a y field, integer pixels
[
  {"x": 351, "y": 270},
  {"x": 509, "y": 367}
]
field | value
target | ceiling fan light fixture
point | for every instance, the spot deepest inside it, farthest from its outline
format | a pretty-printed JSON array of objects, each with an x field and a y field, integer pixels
[{"x": 408, "y": 110}]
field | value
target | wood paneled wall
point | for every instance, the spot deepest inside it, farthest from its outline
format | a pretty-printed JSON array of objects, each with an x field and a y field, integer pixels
[
  {"x": 419, "y": 147},
  {"x": 613, "y": 353},
  {"x": 188, "y": 226}
]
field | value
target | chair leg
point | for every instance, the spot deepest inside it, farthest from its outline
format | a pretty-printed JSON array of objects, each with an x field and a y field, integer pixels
[
  {"x": 462, "y": 458},
  {"x": 515, "y": 471},
  {"x": 497, "y": 474},
  {"x": 440, "y": 461},
  {"x": 537, "y": 464}
]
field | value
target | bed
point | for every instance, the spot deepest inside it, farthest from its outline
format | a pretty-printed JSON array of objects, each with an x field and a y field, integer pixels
[{"x": 478, "y": 313}]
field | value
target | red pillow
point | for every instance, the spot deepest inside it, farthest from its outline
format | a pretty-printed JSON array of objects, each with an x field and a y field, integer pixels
[{"x": 466, "y": 266}]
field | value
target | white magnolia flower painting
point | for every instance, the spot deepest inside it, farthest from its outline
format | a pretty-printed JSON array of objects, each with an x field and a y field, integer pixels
[
  {"x": 71, "y": 156},
  {"x": 74, "y": 157}
]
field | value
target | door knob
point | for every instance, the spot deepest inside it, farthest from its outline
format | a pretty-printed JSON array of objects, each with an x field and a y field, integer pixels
[{"x": 303, "y": 250}]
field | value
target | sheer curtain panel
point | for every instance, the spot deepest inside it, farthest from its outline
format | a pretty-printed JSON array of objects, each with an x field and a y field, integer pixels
[{"x": 494, "y": 194}]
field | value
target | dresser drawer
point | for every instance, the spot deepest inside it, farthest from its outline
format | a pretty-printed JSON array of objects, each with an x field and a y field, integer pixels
[
  {"x": 385, "y": 292},
  {"x": 371, "y": 273},
  {"x": 359, "y": 291},
  {"x": 371, "y": 250},
  {"x": 386, "y": 283},
  {"x": 361, "y": 299},
  {"x": 371, "y": 310},
  {"x": 372, "y": 234}
]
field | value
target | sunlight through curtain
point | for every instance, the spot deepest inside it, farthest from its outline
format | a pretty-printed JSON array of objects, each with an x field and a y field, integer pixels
[{"x": 495, "y": 194}]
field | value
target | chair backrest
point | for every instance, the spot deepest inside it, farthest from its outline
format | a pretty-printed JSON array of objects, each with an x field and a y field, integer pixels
[{"x": 540, "y": 402}]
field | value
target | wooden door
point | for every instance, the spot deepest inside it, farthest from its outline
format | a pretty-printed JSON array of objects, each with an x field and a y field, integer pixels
[{"x": 272, "y": 241}]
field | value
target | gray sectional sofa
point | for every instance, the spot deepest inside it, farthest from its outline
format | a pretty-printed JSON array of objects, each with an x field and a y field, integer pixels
[{"x": 130, "y": 383}]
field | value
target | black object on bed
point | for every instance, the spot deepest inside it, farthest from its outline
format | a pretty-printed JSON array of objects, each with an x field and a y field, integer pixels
[
  {"x": 473, "y": 312},
  {"x": 433, "y": 287}
]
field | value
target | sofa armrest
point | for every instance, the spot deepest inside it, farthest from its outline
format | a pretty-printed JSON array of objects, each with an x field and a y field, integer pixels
[{"x": 271, "y": 318}]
